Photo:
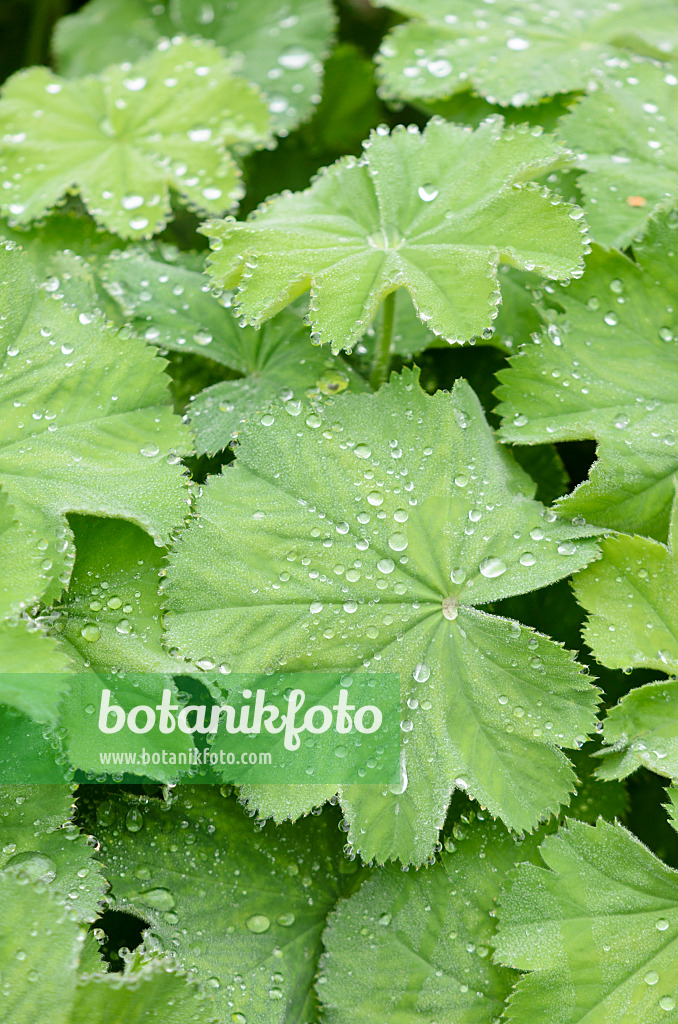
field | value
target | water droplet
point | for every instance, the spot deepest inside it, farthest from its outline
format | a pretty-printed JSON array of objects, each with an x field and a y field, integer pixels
[
  {"x": 667, "y": 1003},
  {"x": 651, "y": 978},
  {"x": 90, "y": 632},
  {"x": 294, "y": 58},
  {"x": 662, "y": 924},
  {"x": 492, "y": 567},
  {"x": 134, "y": 821},
  {"x": 258, "y": 923},
  {"x": 397, "y": 542},
  {"x": 37, "y": 866},
  {"x": 422, "y": 673},
  {"x": 385, "y": 565},
  {"x": 362, "y": 451},
  {"x": 527, "y": 558},
  {"x": 158, "y": 898},
  {"x": 427, "y": 193},
  {"x": 517, "y": 43},
  {"x": 286, "y": 920}
]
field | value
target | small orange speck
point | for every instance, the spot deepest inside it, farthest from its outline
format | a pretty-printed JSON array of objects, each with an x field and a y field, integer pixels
[{"x": 636, "y": 200}]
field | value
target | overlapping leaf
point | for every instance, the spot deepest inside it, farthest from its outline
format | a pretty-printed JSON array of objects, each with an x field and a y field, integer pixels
[
  {"x": 41, "y": 949},
  {"x": 259, "y": 897},
  {"x": 627, "y": 134},
  {"x": 417, "y": 946},
  {"x": 597, "y": 928},
  {"x": 368, "y": 536},
  {"x": 606, "y": 368},
  {"x": 434, "y": 213},
  {"x": 86, "y": 424},
  {"x": 171, "y": 305},
  {"x": 515, "y": 53},
  {"x": 278, "y": 44},
  {"x": 631, "y": 596},
  {"x": 38, "y": 841},
  {"x": 163, "y": 123}
]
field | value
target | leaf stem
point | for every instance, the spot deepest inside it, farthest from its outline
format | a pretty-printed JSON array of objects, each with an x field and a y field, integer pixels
[{"x": 382, "y": 349}]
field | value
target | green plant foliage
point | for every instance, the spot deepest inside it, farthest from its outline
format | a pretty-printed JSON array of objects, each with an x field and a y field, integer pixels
[
  {"x": 263, "y": 896},
  {"x": 419, "y": 946},
  {"x": 515, "y": 54},
  {"x": 248, "y": 368},
  {"x": 132, "y": 145},
  {"x": 627, "y": 136},
  {"x": 596, "y": 928},
  {"x": 605, "y": 368},
  {"x": 85, "y": 423},
  {"x": 40, "y": 844},
  {"x": 416, "y": 212},
  {"x": 280, "y": 46},
  {"x": 171, "y": 305},
  {"x": 399, "y": 525}
]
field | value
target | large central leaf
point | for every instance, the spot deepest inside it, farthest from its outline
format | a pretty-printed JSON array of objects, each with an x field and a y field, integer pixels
[
  {"x": 368, "y": 536},
  {"x": 516, "y": 53},
  {"x": 434, "y": 213}
]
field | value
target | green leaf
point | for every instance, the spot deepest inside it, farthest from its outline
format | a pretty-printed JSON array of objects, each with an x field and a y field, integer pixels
[
  {"x": 413, "y": 946},
  {"x": 155, "y": 991},
  {"x": 605, "y": 368},
  {"x": 259, "y": 897},
  {"x": 631, "y": 596},
  {"x": 672, "y": 806},
  {"x": 597, "y": 928},
  {"x": 29, "y": 750},
  {"x": 39, "y": 841},
  {"x": 278, "y": 44},
  {"x": 40, "y": 948},
  {"x": 172, "y": 306},
  {"x": 166, "y": 122},
  {"x": 86, "y": 424},
  {"x": 37, "y": 985},
  {"x": 627, "y": 136},
  {"x": 433, "y": 212},
  {"x": 356, "y": 538},
  {"x": 515, "y": 54},
  {"x": 642, "y": 731},
  {"x": 110, "y": 618}
]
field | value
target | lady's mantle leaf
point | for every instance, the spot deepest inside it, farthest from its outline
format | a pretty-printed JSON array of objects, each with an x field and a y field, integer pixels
[
  {"x": 515, "y": 53},
  {"x": 598, "y": 927},
  {"x": 367, "y": 534},
  {"x": 125, "y": 137},
  {"x": 86, "y": 424},
  {"x": 631, "y": 596},
  {"x": 42, "y": 948},
  {"x": 171, "y": 305},
  {"x": 259, "y": 897},
  {"x": 627, "y": 135},
  {"x": 413, "y": 946},
  {"x": 39, "y": 840},
  {"x": 277, "y": 44},
  {"x": 434, "y": 213},
  {"x": 606, "y": 368}
]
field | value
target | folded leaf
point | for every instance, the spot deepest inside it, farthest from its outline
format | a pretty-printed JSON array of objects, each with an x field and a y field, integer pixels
[{"x": 434, "y": 212}]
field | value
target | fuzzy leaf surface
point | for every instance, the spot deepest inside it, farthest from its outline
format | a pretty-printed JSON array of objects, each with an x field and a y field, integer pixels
[
  {"x": 606, "y": 368},
  {"x": 515, "y": 54},
  {"x": 277, "y": 44},
  {"x": 627, "y": 136},
  {"x": 164, "y": 123},
  {"x": 261, "y": 896},
  {"x": 597, "y": 928},
  {"x": 172, "y": 306},
  {"x": 358, "y": 539},
  {"x": 434, "y": 212},
  {"x": 86, "y": 422},
  {"x": 413, "y": 946}
]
